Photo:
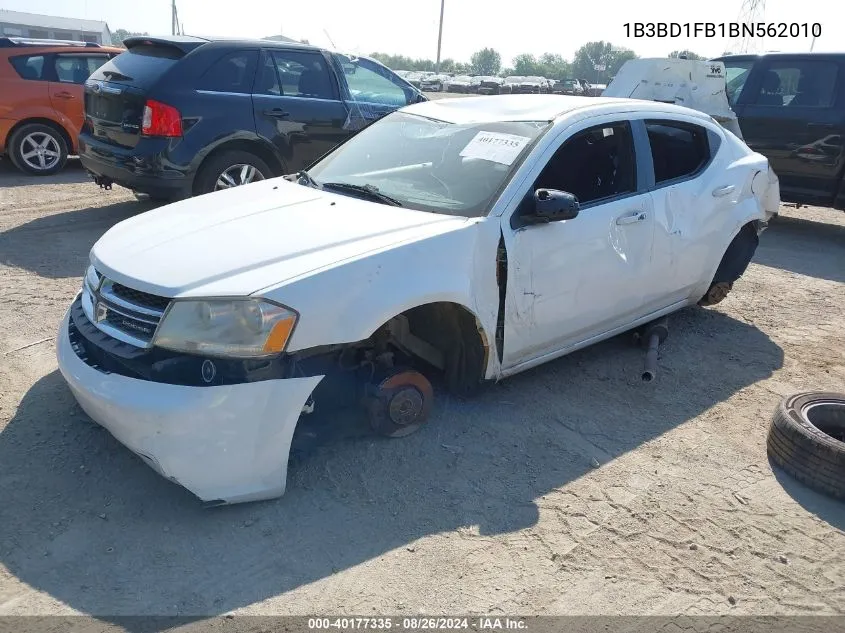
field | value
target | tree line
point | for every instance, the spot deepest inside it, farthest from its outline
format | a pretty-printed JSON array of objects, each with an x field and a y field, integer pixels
[{"x": 596, "y": 62}]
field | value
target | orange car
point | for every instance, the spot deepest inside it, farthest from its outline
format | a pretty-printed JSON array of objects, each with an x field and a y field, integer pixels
[{"x": 41, "y": 99}]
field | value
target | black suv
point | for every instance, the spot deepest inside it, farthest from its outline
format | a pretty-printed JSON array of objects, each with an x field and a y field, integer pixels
[
  {"x": 791, "y": 109},
  {"x": 179, "y": 116}
]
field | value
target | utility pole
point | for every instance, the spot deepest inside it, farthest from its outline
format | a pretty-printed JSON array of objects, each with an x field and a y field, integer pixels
[
  {"x": 439, "y": 36},
  {"x": 173, "y": 17}
]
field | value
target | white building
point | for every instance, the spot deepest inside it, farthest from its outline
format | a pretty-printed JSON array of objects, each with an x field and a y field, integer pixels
[{"x": 35, "y": 26}]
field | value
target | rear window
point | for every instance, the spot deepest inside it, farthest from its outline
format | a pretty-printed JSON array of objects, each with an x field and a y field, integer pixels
[
  {"x": 141, "y": 66},
  {"x": 29, "y": 66}
]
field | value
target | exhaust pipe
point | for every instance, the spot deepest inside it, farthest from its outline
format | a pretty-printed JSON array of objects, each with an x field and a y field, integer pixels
[{"x": 655, "y": 333}]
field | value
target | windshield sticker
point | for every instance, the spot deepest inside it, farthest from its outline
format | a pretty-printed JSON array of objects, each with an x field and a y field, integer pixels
[{"x": 495, "y": 147}]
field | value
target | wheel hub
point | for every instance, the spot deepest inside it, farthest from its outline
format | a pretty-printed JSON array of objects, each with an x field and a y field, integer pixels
[{"x": 405, "y": 406}]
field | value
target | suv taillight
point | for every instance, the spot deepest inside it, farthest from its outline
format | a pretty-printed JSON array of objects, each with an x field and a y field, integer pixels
[{"x": 161, "y": 119}]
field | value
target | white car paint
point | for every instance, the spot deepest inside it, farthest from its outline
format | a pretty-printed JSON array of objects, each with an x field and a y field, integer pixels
[{"x": 347, "y": 266}]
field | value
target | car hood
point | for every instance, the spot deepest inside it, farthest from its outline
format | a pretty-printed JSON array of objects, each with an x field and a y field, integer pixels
[{"x": 241, "y": 240}]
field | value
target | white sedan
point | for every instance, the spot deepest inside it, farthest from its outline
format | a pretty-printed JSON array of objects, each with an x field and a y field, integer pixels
[{"x": 474, "y": 238}]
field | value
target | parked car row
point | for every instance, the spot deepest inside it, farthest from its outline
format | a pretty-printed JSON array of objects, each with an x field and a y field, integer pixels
[{"x": 491, "y": 85}]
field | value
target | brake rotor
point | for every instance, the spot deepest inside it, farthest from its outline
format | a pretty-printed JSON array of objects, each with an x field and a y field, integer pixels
[{"x": 400, "y": 403}]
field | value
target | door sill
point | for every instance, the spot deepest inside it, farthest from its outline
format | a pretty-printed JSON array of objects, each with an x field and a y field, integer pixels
[{"x": 568, "y": 349}]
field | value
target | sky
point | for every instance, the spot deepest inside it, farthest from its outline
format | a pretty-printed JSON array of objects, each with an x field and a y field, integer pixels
[{"x": 409, "y": 27}]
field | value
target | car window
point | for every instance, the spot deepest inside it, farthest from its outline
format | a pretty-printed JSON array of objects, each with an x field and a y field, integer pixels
[
  {"x": 809, "y": 84},
  {"x": 232, "y": 73},
  {"x": 295, "y": 74},
  {"x": 430, "y": 165},
  {"x": 368, "y": 85},
  {"x": 595, "y": 164},
  {"x": 75, "y": 69},
  {"x": 677, "y": 149},
  {"x": 736, "y": 73},
  {"x": 29, "y": 66}
]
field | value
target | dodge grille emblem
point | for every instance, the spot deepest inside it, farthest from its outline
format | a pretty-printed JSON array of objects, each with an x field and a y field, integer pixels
[{"x": 100, "y": 312}]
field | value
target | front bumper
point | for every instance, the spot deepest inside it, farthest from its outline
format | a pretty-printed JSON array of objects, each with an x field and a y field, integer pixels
[{"x": 226, "y": 444}]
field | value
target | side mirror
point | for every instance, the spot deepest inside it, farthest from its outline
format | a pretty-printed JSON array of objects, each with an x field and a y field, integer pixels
[{"x": 551, "y": 205}]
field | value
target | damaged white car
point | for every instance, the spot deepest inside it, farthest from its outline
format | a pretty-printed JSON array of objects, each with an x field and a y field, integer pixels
[{"x": 468, "y": 239}]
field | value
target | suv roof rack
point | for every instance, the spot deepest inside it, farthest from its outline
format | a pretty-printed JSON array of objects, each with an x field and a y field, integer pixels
[{"x": 8, "y": 42}]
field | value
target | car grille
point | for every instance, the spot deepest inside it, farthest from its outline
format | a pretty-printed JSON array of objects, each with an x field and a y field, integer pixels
[
  {"x": 143, "y": 299},
  {"x": 129, "y": 315}
]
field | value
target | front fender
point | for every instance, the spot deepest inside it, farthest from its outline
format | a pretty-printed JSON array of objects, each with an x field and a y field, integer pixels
[{"x": 349, "y": 301}]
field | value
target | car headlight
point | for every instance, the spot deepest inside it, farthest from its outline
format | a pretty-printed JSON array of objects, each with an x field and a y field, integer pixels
[{"x": 238, "y": 328}]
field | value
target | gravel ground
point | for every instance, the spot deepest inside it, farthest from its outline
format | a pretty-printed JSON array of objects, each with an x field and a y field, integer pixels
[{"x": 571, "y": 489}]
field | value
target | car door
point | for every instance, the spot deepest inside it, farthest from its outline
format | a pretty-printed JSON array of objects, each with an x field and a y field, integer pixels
[
  {"x": 297, "y": 106},
  {"x": 693, "y": 195},
  {"x": 573, "y": 279},
  {"x": 66, "y": 85},
  {"x": 371, "y": 90},
  {"x": 789, "y": 115}
]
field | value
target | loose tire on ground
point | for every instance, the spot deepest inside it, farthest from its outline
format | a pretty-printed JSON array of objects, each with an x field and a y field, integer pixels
[
  {"x": 211, "y": 171},
  {"x": 38, "y": 149},
  {"x": 807, "y": 440}
]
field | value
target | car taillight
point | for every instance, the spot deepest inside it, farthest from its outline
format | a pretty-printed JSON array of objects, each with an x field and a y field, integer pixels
[{"x": 161, "y": 119}]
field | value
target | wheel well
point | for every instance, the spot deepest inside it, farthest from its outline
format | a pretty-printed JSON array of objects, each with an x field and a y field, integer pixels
[
  {"x": 442, "y": 337},
  {"x": 253, "y": 147},
  {"x": 738, "y": 254},
  {"x": 453, "y": 332},
  {"x": 49, "y": 122}
]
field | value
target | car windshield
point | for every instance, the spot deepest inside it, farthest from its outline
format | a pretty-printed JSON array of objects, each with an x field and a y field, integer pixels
[
  {"x": 431, "y": 165},
  {"x": 514, "y": 80}
]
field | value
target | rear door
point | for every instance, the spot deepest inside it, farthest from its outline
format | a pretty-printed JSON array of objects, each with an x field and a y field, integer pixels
[
  {"x": 67, "y": 93},
  {"x": 297, "y": 105},
  {"x": 794, "y": 114},
  {"x": 693, "y": 196},
  {"x": 24, "y": 89},
  {"x": 116, "y": 92}
]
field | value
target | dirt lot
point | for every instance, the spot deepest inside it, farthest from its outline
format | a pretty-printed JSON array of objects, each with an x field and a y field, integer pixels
[{"x": 574, "y": 488}]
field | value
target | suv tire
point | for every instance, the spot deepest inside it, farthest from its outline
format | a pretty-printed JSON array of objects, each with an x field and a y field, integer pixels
[
  {"x": 38, "y": 149},
  {"x": 228, "y": 162}
]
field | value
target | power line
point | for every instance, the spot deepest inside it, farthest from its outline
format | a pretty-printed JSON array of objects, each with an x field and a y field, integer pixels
[{"x": 750, "y": 12}]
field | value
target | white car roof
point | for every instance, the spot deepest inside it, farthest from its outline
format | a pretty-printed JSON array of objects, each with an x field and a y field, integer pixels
[{"x": 534, "y": 107}]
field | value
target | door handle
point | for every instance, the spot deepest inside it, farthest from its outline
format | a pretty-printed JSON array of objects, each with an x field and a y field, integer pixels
[
  {"x": 723, "y": 191},
  {"x": 63, "y": 95},
  {"x": 824, "y": 126},
  {"x": 631, "y": 218},
  {"x": 276, "y": 113}
]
